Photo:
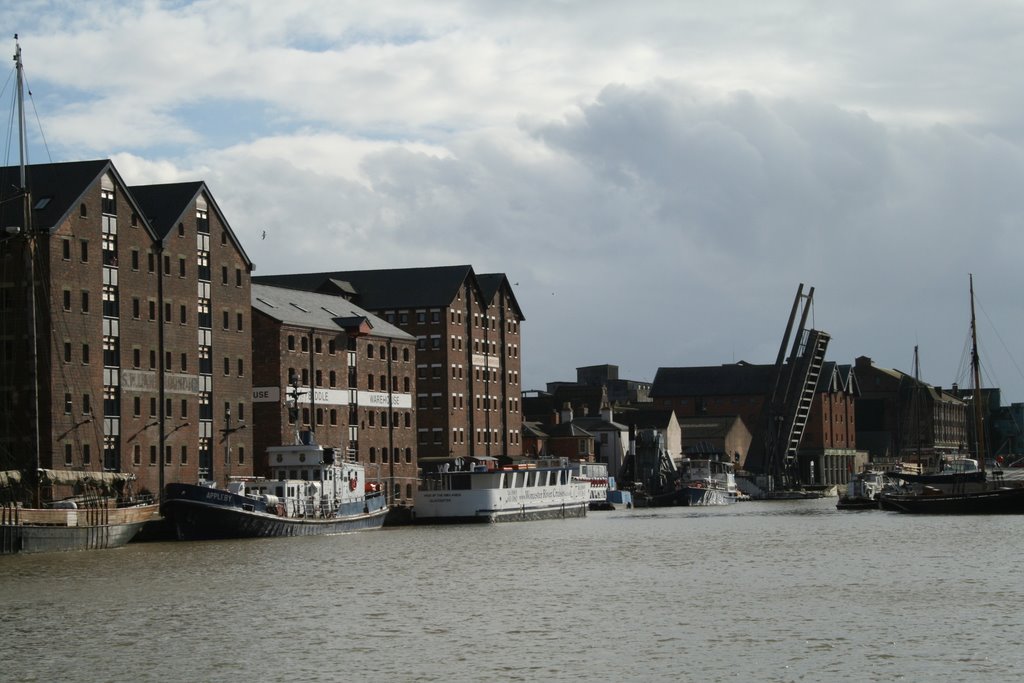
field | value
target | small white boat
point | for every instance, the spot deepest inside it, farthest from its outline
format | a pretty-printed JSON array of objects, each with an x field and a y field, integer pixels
[
  {"x": 707, "y": 482},
  {"x": 863, "y": 489},
  {"x": 484, "y": 493}
]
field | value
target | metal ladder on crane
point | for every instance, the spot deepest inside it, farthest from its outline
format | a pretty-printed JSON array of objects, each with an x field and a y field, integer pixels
[{"x": 808, "y": 360}]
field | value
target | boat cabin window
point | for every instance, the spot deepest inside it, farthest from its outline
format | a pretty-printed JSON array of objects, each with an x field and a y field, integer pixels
[
  {"x": 460, "y": 482},
  {"x": 280, "y": 491}
]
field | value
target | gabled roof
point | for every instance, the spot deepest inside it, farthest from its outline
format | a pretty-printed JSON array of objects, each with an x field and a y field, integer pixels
[
  {"x": 319, "y": 311},
  {"x": 849, "y": 379},
  {"x": 490, "y": 283},
  {"x": 642, "y": 418},
  {"x": 165, "y": 206},
  {"x": 534, "y": 429},
  {"x": 394, "y": 288},
  {"x": 57, "y": 190}
]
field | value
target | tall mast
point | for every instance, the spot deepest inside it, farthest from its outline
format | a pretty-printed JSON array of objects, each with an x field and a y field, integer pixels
[
  {"x": 915, "y": 407},
  {"x": 979, "y": 432},
  {"x": 30, "y": 252}
]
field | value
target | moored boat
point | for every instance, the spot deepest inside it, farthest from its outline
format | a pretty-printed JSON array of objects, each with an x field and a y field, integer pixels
[
  {"x": 309, "y": 492},
  {"x": 485, "y": 493},
  {"x": 43, "y": 509},
  {"x": 596, "y": 476},
  {"x": 1004, "y": 500},
  {"x": 96, "y": 519},
  {"x": 863, "y": 489},
  {"x": 707, "y": 482},
  {"x": 971, "y": 490}
]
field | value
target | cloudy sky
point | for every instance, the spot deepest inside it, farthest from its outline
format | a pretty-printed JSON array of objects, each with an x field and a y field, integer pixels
[{"x": 656, "y": 177}]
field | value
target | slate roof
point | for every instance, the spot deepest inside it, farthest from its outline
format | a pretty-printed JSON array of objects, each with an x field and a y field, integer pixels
[
  {"x": 570, "y": 429},
  {"x": 376, "y": 290},
  {"x": 534, "y": 429},
  {"x": 57, "y": 189},
  {"x": 165, "y": 204},
  {"x": 738, "y": 379},
  {"x": 320, "y": 311},
  {"x": 644, "y": 419},
  {"x": 591, "y": 424},
  {"x": 164, "y": 207},
  {"x": 490, "y": 283}
]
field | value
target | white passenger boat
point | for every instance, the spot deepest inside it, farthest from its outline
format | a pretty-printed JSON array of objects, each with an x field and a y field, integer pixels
[{"x": 471, "y": 492}]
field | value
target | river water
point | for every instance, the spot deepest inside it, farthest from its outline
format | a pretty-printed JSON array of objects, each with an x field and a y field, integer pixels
[{"x": 779, "y": 591}]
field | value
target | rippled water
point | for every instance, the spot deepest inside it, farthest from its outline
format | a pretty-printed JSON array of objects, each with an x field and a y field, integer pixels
[{"x": 756, "y": 591}]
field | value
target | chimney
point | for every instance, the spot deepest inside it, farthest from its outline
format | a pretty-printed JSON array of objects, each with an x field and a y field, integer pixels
[{"x": 566, "y": 413}]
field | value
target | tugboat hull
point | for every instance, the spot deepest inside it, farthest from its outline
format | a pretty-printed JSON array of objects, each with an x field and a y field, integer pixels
[{"x": 200, "y": 513}]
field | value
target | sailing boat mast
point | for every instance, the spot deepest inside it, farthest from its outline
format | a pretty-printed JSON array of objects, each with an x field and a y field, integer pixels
[
  {"x": 915, "y": 407},
  {"x": 979, "y": 432},
  {"x": 30, "y": 248}
]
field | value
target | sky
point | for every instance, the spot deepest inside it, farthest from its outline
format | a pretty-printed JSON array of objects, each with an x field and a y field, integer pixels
[{"x": 655, "y": 178}]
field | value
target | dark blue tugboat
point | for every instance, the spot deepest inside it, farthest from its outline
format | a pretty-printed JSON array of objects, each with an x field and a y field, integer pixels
[{"x": 310, "y": 492}]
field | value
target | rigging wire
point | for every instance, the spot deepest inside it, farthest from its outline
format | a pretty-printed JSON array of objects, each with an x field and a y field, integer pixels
[
  {"x": 39, "y": 123},
  {"x": 999, "y": 337}
]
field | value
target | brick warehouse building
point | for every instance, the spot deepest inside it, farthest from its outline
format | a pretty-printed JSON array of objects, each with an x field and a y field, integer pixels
[
  {"x": 127, "y": 346},
  {"x": 362, "y": 370},
  {"x": 467, "y": 330},
  {"x": 902, "y": 418},
  {"x": 829, "y": 440}
]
